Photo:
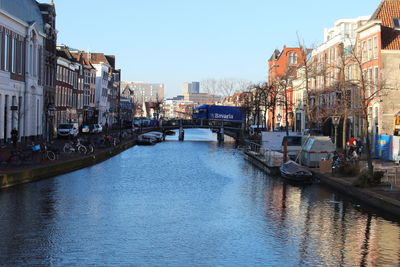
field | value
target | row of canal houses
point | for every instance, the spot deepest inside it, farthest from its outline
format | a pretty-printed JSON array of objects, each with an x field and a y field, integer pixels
[
  {"x": 333, "y": 79},
  {"x": 356, "y": 52},
  {"x": 42, "y": 84}
]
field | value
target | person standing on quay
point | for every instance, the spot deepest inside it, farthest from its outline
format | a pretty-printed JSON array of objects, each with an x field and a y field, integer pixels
[{"x": 14, "y": 137}]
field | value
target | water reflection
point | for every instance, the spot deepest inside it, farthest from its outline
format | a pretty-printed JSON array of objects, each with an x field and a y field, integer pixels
[{"x": 187, "y": 203}]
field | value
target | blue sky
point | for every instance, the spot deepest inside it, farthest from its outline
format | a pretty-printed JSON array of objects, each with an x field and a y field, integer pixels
[{"x": 173, "y": 41}]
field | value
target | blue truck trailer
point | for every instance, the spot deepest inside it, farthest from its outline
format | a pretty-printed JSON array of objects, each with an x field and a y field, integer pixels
[{"x": 218, "y": 113}]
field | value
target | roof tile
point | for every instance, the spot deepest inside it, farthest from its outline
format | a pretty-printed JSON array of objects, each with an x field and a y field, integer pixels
[{"x": 386, "y": 11}]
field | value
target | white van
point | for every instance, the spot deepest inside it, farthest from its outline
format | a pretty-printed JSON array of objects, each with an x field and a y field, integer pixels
[{"x": 67, "y": 130}]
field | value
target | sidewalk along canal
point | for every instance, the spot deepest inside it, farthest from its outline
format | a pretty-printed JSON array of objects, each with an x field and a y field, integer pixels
[{"x": 16, "y": 177}]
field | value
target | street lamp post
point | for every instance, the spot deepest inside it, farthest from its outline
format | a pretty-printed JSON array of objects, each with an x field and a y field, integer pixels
[{"x": 335, "y": 122}]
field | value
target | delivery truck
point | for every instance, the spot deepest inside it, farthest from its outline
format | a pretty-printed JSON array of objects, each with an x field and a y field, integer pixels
[{"x": 218, "y": 113}]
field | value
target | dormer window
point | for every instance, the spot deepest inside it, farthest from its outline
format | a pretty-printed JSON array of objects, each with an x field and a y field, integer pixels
[
  {"x": 292, "y": 58},
  {"x": 396, "y": 23}
]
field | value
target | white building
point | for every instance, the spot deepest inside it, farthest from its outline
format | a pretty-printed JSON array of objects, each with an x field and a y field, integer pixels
[
  {"x": 21, "y": 68},
  {"x": 171, "y": 107},
  {"x": 145, "y": 92},
  {"x": 103, "y": 67}
]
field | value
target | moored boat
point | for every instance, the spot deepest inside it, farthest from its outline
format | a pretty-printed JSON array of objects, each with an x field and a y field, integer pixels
[
  {"x": 294, "y": 172},
  {"x": 146, "y": 140},
  {"x": 157, "y": 135}
]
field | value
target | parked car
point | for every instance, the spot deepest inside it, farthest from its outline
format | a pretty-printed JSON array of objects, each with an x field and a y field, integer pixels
[
  {"x": 96, "y": 128},
  {"x": 67, "y": 130},
  {"x": 86, "y": 129}
]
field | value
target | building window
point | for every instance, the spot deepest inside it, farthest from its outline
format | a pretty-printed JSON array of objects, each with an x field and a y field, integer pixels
[
  {"x": 20, "y": 53},
  {"x": 39, "y": 65},
  {"x": 376, "y": 79},
  {"x": 13, "y": 56},
  {"x": 364, "y": 51},
  {"x": 369, "y": 49},
  {"x": 7, "y": 52},
  {"x": 349, "y": 73},
  {"x": 396, "y": 23},
  {"x": 34, "y": 61},
  {"x": 375, "y": 47},
  {"x": 370, "y": 81},
  {"x": 292, "y": 58}
]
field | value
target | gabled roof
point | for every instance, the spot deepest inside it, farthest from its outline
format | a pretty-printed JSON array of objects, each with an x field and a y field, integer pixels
[
  {"x": 97, "y": 58},
  {"x": 82, "y": 58},
  {"x": 111, "y": 60},
  {"x": 385, "y": 12},
  {"x": 63, "y": 51},
  {"x": 275, "y": 55},
  {"x": 26, "y": 10}
]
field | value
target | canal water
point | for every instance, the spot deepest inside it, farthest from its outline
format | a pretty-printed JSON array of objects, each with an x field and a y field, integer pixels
[{"x": 191, "y": 203}]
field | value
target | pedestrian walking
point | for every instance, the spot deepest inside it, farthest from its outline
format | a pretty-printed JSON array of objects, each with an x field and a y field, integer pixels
[
  {"x": 14, "y": 137},
  {"x": 351, "y": 144}
]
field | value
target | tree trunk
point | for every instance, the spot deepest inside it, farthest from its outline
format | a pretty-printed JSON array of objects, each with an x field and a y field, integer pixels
[
  {"x": 344, "y": 134},
  {"x": 368, "y": 148},
  {"x": 273, "y": 120},
  {"x": 286, "y": 118}
]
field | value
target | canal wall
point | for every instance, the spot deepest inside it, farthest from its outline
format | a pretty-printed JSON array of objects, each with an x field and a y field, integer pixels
[
  {"x": 251, "y": 157},
  {"x": 53, "y": 169},
  {"x": 368, "y": 196},
  {"x": 380, "y": 201}
]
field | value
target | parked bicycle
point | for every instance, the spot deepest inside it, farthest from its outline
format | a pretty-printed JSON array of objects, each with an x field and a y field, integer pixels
[
  {"x": 74, "y": 147},
  {"x": 340, "y": 158},
  {"x": 89, "y": 146},
  {"x": 47, "y": 152}
]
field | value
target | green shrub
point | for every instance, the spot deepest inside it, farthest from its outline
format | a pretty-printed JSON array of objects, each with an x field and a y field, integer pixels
[
  {"x": 349, "y": 169},
  {"x": 377, "y": 177},
  {"x": 365, "y": 178}
]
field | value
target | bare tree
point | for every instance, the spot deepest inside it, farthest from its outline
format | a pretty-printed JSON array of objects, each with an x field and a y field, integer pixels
[
  {"x": 247, "y": 106},
  {"x": 265, "y": 92},
  {"x": 283, "y": 87},
  {"x": 210, "y": 86},
  {"x": 367, "y": 92},
  {"x": 225, "y": 86}
]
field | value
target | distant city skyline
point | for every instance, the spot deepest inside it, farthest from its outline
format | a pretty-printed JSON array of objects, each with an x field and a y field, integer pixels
[{"x": 224, "y": 39}]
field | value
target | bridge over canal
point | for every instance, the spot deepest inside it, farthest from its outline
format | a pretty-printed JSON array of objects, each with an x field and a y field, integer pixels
[{"x": 220, "y": 127}]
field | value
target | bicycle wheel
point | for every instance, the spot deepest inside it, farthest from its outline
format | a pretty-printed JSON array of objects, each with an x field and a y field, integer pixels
[
  {"x": 90, "y": 149},
  {"x": 82, "y": 149},
  {"x": 50, "y": 155},
  {"x": 67, "y": 148}
]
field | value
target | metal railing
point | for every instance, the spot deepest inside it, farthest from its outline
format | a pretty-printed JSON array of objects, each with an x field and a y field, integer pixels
[
  {"x": 391, "y": 175},
  {"x": 201, "y": 123}
]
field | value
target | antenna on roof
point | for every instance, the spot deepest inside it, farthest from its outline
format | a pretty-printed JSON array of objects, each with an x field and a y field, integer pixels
[{"x": 52, "y": 2}]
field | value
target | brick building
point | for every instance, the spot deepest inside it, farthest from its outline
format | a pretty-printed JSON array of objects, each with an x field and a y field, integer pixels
[
  {"x": 282, "y": 69},
  {"x": 69, "y": 88},
  {"x": 379, "y": 46}
]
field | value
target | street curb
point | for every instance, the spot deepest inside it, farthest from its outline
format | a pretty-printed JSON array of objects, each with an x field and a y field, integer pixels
[
  {"x": 364, "y": 195},
  {"x": 40, "y": 173}
]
